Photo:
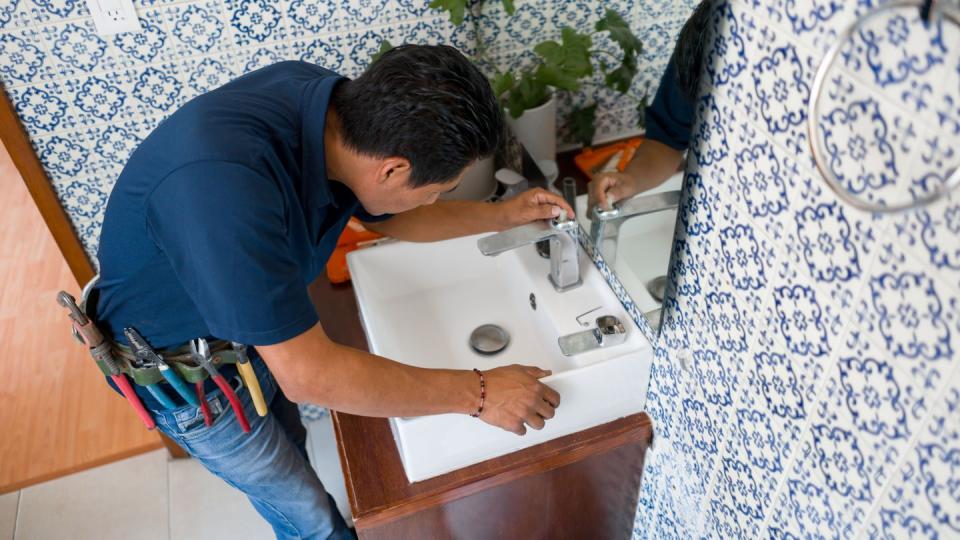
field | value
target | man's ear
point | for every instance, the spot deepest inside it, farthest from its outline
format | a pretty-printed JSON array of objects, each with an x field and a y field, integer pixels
[{"x": 394, "y": 171}]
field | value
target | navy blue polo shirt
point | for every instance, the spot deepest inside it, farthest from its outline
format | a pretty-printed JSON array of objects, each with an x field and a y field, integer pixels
[
  {"x": 670, "y": 115},
  {"x": 224, "y": 215}
]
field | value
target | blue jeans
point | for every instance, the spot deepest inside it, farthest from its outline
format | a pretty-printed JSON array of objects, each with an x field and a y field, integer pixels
[{"x": 269, "y": 464}]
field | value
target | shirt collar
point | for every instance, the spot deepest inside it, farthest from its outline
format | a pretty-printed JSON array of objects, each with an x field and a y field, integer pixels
[{"x": 316, "y": 101}]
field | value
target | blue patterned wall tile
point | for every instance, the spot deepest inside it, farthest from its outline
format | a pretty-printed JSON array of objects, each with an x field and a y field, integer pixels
[
  {"x": 912, "y": 315},
  {"x": 931, "y": 234},
  {"x": 879, "y": 152},
  {"x": 580, "y": 14},
  {"x": 902, "y": 58},
  {"x": 40, "y": 108},
  {"x": 253, "y": 22},
  {"x": 197, "y": 28},
  {"x": 859, "y": 434},
  {"x": 23, "y": 13},
  {"x": 923, "y": 502},
  {"x": 25, "y": 57},
  {"x": 856, "y": 337},
  {"x": 61, "y": 157},
  {"x": 659, "y": 37},
  {"x": 654, "y": 10}
]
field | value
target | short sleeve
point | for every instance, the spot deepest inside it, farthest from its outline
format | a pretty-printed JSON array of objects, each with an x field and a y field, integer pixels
[
  {"x": 222, "y": 227},
  {"x": 670, "y": 116},
  {"x": 362, "y": 214}
]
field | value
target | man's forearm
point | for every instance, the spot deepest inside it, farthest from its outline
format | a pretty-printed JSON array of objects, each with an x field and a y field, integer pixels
[
  {"x": 316, "y": 370},
  {"x": 442, "y": 220},
  {"x": 653, "y": 163}
]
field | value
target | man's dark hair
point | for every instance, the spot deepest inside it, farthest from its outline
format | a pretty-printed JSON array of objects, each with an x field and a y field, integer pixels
[
  {"x": 425, "y": 103},
  {"x": 688, "y": 54}
]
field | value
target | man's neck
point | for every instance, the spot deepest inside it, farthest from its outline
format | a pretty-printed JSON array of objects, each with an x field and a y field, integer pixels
[{"x": 334, "y": 152}]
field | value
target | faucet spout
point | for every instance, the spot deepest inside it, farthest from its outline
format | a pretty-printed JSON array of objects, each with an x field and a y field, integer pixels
[
  {"x": 605, "y": 224},
  {"x": 564, "y": 248},
  {"x": 530, "y": 233}
]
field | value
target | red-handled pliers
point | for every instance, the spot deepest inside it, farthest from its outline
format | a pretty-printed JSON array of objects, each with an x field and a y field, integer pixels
[{"x": 201, "y": 350}]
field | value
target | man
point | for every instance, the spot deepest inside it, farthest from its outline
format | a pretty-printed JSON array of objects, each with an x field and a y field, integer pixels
[
  {"x": 229, "y": 210},
  {"x": 669, "y": 121}
]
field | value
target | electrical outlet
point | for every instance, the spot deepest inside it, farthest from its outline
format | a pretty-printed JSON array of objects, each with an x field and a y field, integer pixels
[{"x": 114, "y": 16}]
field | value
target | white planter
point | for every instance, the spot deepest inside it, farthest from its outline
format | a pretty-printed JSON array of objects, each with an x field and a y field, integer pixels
[
  {"x": 477, "y": 185},
  {"x": 536, "y": 129}
]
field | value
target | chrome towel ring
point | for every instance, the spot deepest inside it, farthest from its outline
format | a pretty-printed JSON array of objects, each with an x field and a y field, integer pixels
[{"x": 928, "y": 8}]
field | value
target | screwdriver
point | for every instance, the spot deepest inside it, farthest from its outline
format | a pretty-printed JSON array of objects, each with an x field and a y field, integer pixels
[
  {"x": 249, "y": 378},
  {"x": 100, "y": 351}
]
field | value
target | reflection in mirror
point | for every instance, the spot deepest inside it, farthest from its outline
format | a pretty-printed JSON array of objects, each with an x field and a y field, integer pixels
[
  {"x": 631, "y": 210},
  {"x": 635, "y": 241}
]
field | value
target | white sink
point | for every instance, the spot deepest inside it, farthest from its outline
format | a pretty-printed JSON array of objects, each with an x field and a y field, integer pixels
[
  {"x": 644, "y": 246},
  {"x": 420, "y": 302}
]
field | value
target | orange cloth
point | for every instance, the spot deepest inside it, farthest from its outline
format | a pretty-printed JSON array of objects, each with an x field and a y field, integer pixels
[
  {"x": 353, "y": 237},
  {"x": 591, "y": 159}
]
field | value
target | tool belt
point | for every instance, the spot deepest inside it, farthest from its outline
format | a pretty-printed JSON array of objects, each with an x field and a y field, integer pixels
[{"x": 179, "y": 358}]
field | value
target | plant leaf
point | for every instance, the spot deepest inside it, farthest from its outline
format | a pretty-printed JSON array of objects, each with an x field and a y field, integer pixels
[
  {"x": 621, "y": 78},
  {"x": 509, "y": 7},
  {"x": 642, "y": 110},
  {"x": 457, "y": 9},
  {"x": 620, "y": 32},
  {"x": 502, "y": 83},
  {"x": 384, "y": 47},
  {"x": 576, "y": 52},
  {"x": 550, "y": 51},
  {"x": 564, "y": 64},
  {"x": 582, "y": 124},
  {"x": 550, "y": 75},
  {"x": 530, "y": 92}
]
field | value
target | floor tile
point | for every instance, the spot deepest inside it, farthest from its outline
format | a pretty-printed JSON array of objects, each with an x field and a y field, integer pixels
[
  {"x": 8, "y": 514},
  {"x": 322, "y": 447},
  {"x": 203, "y": 506},
  {"x": 126, "y": 499}
]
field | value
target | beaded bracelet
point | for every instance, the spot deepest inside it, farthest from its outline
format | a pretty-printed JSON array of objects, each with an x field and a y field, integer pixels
[{"x": 483, "y": 393}]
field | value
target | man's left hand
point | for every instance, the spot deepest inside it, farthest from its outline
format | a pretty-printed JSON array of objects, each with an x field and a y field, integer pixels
[{"x": 532, "y": 205}]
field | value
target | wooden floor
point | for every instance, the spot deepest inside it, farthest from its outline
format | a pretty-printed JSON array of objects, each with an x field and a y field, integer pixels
[{"x": 57, "y": 415}]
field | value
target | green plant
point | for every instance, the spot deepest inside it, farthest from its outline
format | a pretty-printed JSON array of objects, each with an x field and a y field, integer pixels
[
  {"x": 458, "y": 8},
  {"x": 562, "y": 65}
]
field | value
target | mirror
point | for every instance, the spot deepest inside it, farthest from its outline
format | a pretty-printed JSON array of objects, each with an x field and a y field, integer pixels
[{"x": 635, "y": 240}]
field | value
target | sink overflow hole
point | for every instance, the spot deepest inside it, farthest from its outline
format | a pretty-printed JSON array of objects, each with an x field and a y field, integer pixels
[{"x": 533, "y": 302}]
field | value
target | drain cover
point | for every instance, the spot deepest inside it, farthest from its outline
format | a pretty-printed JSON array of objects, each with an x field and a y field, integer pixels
[
  {"x": 657, "y": 288},
  {"x": 489, "y": 339}
]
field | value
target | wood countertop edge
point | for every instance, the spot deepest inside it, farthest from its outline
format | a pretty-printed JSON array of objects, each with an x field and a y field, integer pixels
[{"x": 567, "y": 449}]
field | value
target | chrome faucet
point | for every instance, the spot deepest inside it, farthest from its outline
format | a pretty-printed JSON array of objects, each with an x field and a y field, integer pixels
[
  {"x": 605, "y": 224},
  {"x": 564, "y": 247}
]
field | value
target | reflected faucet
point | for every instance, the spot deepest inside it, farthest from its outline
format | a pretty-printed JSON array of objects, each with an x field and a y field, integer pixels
[
  {"x": 564, "y": 247},
  {"x": 605, "y": 224}
]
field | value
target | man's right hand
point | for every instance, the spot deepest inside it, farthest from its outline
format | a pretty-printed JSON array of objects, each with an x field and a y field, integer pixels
[
  {"x": 606, "y": 189},
  {"x": 516, "y": 398}
]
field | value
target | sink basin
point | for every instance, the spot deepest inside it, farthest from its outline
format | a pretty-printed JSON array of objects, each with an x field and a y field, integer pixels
[
  {"x": 643, "y": 251},
  {"x": 419, "y": 304}
]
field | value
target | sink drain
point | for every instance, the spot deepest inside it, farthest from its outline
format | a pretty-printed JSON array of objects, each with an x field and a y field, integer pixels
[
  {"x": 657, "y": 288},
  {"x": 489, "y": 339}
]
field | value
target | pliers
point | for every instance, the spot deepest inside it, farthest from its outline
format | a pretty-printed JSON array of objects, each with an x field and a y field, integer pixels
[
  {"x": 146, "y": 356},
  {"x": 201, "y": 351}
]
